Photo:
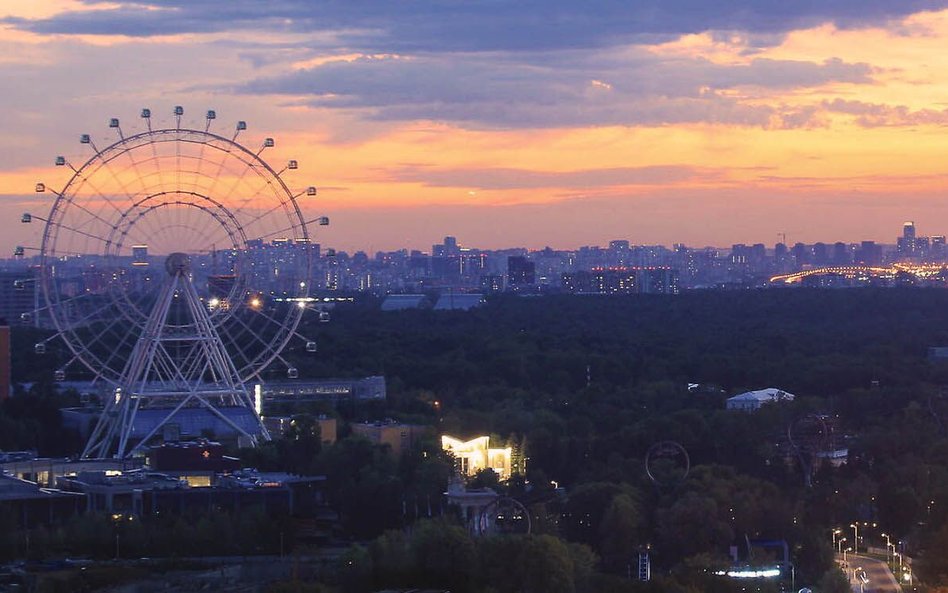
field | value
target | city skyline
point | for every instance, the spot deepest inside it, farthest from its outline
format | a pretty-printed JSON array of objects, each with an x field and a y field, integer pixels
[{"x": 646, "y": 123}]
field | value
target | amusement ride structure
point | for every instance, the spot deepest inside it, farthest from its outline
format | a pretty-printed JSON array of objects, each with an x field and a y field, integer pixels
[{"x": 153, "y": 275}]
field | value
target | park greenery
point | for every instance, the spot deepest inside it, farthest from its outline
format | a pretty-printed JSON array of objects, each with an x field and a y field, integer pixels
[{"x": 587, "y": 385}]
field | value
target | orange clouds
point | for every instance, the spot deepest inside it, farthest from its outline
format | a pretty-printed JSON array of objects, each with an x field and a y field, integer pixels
[{"x": 668, "y": 132}]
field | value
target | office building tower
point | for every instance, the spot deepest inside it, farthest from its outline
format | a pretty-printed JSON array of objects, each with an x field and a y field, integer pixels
[{"x": 520, "y": 271}]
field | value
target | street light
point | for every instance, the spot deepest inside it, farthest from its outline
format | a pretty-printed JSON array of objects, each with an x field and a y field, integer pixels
[
  {"x": 888, "y": 544},
  {"x": 839, "y": 543},
  {"x": 836, "y": 532},
  {"x": 855, "y": 527}
]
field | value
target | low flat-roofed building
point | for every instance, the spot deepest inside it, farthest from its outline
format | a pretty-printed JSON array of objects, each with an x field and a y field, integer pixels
[
  {"x": 401, "y": 302},
  {"x": 196, "y": 462},
  {"x": 399, "y": 437},
  {"x": 332, "y": 390},
  {"x": 458, "y": 302},
  {"x": 145, "y": 493},
  {"x": 278, "y": 426},
  {"x": 187, "y": 423},
  {"x": 44, "y": 471},
  {"x": 31, "y": 505},
  {"x": 751, "y": 401}
]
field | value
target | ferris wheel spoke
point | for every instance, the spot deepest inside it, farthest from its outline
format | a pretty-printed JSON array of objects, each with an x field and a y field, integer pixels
[
  {"x": 233, "y": 339},
  {"x": 90, "y": 213},
  {"x": 291, "y": 331},
  {"x": 208, "y": 230},
  {"x": 282, "y": 325},
  {"x": 200, "y": 162},
  {"x": 141, "y": 179},
  {"x": 105, "y": 333},
  {"x": 80, "y": 232},
  {"x": 291, "y": 227},
  {"x": 107, "y": 165},
  {"x": 282, "y": 331},
  {"x": 104, "y": 366},
  {"x": 82, "y": 321},
  {"x": 63, "y": 302},
  {"x": 252, "y": 333},
  {"x": 263, "y": 214},
  {"x": 208, "y": 246},
  {"x": 99, "y": 193},
  {"x": 236, "y": 184},
  {"x": 226, "y": 152}
]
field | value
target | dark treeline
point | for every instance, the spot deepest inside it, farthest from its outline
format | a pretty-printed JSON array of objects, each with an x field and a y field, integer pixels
[
  {"x": 814, "y": 342},
  {"x": 587, "y": 384}
]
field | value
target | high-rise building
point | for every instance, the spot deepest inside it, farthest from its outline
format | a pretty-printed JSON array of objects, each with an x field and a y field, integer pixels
[
  {"x": 938, "y": 248},
  {"x": 841, "y": 254},
  {"x": 17, "y": 294},
  {"x": 780, "y": 251},
  {"x": 869, "y": 254},
  {"x": 520, "y": 271},
  {"x": 800, "y": 253},
  {"x": 908, "y": 230},
  {"x": 905, "y": 245},
  {"x": 139, "y": 255}
]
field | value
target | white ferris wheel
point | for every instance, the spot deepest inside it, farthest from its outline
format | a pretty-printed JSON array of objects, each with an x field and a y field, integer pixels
[{"x": 175, "y": 265}]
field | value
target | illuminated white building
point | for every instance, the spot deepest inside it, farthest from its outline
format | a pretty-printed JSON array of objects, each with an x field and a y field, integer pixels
[{"x": 476, "y": 454}]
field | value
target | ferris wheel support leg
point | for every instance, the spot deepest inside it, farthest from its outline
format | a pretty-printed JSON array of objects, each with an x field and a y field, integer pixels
[
  {"x": 97, "y": 445},
  {"x": 128, "y": 427}
]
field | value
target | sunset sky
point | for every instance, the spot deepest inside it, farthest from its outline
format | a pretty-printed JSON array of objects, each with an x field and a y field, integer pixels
[{"x": 526, "y": 123}]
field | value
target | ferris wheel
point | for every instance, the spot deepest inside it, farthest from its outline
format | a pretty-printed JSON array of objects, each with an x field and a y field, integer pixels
[{"x": 175, "y": 265}]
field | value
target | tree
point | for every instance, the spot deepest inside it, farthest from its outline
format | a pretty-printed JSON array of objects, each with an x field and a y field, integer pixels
[
  {"x": 619, "y": 533},
  {"x": 833, "y": 581},
  {"x": 444, "y": 556},
  {"x": 301, "y": 444},
  {"x": 485, "y": 478},
  {"x": 547, "y": 566},
  {"x": 354, "y": 570},
  {"x": 692, "y": 526},
  {"x": 392, "y": 559},
  {"x": 932, "y": 566}
]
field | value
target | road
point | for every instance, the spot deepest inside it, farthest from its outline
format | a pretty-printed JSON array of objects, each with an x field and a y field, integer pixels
[{"x": 880, "y": 577}]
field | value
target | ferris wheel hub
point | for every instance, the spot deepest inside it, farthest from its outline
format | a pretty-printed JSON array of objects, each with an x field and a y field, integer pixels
[{"x": 178, "y": 264}]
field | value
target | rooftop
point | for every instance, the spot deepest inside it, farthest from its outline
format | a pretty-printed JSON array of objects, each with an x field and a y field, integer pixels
[
  {"x": 12, "y": 488},
  {"x": 398, "y": 302},
  {"x": 764, "y": 395},
  {"x": 452, "y": 301}
]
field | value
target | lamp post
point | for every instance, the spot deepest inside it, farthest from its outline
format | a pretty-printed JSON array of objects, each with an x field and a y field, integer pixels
[
  {"x": 835, "y": 533},
  {"x": 888, "y": 544},
  {"x": 839, "y": 543},
  {"x": 855, "y": 527}
]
